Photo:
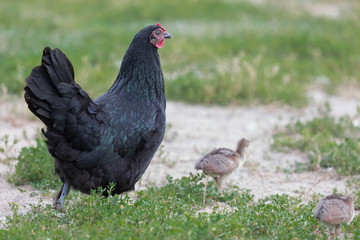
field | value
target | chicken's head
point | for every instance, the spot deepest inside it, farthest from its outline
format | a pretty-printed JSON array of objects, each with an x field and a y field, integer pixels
[{"x": 158, "y": 36}]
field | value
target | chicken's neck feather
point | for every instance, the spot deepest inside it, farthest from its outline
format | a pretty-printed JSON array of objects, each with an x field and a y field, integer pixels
[{"x": 140, "y": 75}]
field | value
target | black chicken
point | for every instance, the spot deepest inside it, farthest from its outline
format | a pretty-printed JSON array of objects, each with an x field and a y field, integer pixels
[{"x": 112, "y": 138}]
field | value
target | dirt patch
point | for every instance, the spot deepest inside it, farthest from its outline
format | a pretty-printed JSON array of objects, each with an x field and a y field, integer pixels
[
  {"x": 193, "y": 131},
  {"x": 332, "y": 9},
  {"x": 329, "y": 10}
]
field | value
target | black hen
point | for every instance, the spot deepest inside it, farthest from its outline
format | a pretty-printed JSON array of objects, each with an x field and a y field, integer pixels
[{"x": 112, "y": 138}]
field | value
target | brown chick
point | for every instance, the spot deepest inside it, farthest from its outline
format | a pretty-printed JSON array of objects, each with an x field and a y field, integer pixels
[
  {"x": 221, "y": 162},
  {"x": 334, "y": 210}
]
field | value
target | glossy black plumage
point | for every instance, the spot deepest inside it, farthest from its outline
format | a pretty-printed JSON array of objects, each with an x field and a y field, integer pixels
[{"x": 112, "y": 138}]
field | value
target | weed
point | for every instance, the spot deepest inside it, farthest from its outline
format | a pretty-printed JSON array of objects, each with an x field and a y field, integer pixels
[
  {"x": 327, "y": 141},
  {"x": 35, "y": 167},
  {"x": 8, "y": 149},
  {"x": 162, "y": 157},
  {"x": 170, "y": 133},
  {"x": 240, "y": 79}
]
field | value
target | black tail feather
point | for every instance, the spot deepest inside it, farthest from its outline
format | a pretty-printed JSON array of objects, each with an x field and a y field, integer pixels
[{"x": 50, "y": 87}]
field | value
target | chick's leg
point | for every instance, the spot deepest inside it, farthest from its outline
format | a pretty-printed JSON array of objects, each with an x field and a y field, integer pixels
[
  {"x": 206, "y": 183},
  {"x": 219, "y": 181}
]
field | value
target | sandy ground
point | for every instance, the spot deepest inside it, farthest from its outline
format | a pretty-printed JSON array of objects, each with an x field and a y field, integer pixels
[{"x": 193, "y": 131}]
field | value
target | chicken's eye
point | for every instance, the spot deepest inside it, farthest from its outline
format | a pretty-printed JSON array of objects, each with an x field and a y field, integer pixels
[{"x": 158, "y": 32}]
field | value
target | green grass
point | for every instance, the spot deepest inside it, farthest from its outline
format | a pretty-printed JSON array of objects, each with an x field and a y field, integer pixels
[
  {"x": 35, "y": 167},
  {"x": 223, "y": 52},
  {"x": 327, "y": 141},
  {"x": 169, "y": 212}
]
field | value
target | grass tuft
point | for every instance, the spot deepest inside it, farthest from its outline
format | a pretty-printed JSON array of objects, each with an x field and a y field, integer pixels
[
  {"x": 35, "y": 167},
  {"x": 328, "y": 142}
]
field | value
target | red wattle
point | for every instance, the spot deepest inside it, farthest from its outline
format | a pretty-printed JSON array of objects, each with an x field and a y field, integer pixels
[{"x": 160, "y": 44}]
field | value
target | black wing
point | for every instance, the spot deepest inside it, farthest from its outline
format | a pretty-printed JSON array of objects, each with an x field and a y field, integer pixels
[{"x": 128, "y": 131}]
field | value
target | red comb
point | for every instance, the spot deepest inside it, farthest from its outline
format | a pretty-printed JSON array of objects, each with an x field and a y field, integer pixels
[{"x": 161, "y": 27}]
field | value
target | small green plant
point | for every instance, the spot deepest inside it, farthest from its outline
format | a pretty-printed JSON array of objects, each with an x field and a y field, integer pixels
[
  {"x": 163, "y": 157},
  {"x": 327, "y": 141},
  {"x": 35, "y": 167},
  {"x": 170, "y": 133},
  {"x": 8, "y": 150}
]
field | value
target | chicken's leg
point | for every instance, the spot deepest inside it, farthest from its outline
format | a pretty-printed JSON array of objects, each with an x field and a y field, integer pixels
[{"x": 60, "y": 199}]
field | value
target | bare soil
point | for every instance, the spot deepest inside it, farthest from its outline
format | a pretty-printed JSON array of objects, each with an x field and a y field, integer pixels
[{"x": 194, "y": 130}]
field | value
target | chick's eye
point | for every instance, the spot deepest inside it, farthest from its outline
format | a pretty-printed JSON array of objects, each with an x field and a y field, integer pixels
[{"x": 158, "y": 32}]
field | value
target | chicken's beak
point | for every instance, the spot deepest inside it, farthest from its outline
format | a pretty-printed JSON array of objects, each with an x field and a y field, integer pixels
[{"x": 167, "y": 35}]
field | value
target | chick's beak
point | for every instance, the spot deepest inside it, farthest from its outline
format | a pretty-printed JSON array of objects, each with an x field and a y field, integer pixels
[{"x": 167, "y": 35}]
